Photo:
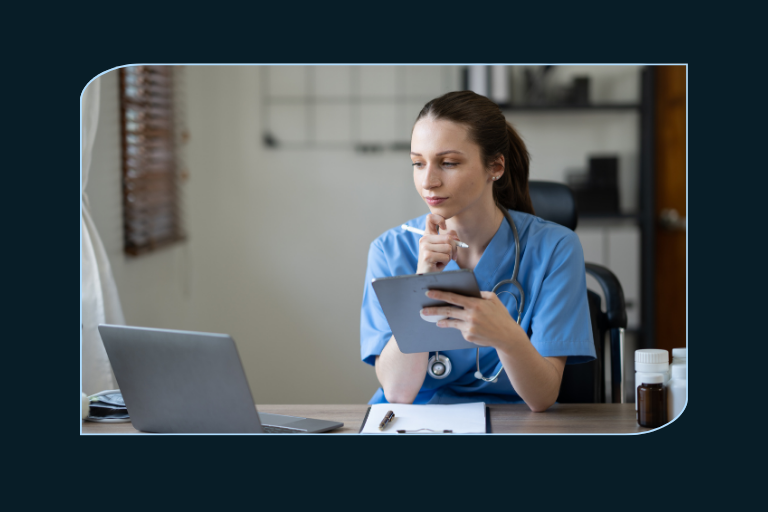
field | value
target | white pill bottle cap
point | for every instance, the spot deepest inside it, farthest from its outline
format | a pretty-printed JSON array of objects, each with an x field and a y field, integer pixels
[
  {"x": 651, "y": 360},
  {"x": 679, "y": 353}
]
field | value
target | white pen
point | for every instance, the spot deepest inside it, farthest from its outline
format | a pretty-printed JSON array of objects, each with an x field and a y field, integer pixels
[{"x": 421, "y": 232}]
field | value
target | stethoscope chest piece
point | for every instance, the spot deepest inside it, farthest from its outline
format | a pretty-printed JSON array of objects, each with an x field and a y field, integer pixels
[{"x": 439, "y": 366}]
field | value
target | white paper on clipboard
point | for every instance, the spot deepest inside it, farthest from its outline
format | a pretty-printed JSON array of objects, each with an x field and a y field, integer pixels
[{"x": 459, "y": 418}]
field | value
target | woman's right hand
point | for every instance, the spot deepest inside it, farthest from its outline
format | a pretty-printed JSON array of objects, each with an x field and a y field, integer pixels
[{"x": 436, "y": 249}]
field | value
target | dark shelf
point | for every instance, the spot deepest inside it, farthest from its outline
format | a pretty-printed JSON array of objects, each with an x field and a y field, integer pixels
[
  {"x": 568, "y": 108},
  {"x": 608, "y": 216}
]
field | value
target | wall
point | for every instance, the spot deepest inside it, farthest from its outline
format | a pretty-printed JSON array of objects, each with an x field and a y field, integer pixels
[{"x": 278, "y": 239}]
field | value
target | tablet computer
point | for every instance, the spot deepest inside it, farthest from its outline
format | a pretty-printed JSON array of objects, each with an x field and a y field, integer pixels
[{"x": 402, "y": 297}]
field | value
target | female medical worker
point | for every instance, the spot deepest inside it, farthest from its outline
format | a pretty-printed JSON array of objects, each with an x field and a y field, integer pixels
[{"x": 468, "y": 163}]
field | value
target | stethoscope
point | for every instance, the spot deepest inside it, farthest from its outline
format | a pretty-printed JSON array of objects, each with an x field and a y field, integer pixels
[{"x": 439, "y": 366}]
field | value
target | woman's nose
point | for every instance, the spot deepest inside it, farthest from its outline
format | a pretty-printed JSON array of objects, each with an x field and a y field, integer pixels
[{"x": 431, "y": 179}]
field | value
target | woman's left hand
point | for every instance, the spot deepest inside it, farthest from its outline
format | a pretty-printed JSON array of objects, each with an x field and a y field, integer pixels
[{"x": 484, "y": 321}]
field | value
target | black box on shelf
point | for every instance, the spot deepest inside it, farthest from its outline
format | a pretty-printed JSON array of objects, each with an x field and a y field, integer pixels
[
  {"x": 604, "y": 171},
  {"x": 597, "y": 192},
  {"x": 578, "y": 93}
]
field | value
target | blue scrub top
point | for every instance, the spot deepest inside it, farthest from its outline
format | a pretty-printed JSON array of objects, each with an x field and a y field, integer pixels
[{"x": 555, "y": 315}]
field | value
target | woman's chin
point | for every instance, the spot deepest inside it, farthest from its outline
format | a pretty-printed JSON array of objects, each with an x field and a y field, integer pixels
[{"x": 442, "y": 211}]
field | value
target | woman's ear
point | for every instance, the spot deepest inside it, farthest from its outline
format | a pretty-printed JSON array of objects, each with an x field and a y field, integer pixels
[{"x": 497, "y": 166}]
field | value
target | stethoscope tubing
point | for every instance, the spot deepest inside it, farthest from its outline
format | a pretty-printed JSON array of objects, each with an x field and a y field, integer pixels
[{"x": 521, "y": 303}]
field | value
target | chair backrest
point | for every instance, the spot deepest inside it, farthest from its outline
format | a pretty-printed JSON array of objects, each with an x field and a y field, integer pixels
[
  {"x": 554, "y": 202},
  {"x": 584, "y": 383}
]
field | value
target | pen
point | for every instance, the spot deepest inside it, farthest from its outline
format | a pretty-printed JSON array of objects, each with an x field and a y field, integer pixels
[
  {"x": 387, "y": 418},
  {"x": 419, "y": 430},
  {"x": 421, "y": 232}
]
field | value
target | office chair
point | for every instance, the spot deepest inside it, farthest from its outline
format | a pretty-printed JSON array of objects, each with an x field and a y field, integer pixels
[{"x": 584, "y": 383}]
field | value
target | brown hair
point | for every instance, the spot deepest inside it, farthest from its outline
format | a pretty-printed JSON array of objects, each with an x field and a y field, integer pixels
[{"x": 495, "y": 136}]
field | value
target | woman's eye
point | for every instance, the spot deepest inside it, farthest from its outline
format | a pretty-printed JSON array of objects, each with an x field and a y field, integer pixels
[
  {"x": 450, "y": 164},
  {"x": 417, "y": 164}
]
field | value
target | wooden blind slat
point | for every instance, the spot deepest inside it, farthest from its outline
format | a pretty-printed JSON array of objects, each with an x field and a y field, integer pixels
[{"x": 151, "y": 207}]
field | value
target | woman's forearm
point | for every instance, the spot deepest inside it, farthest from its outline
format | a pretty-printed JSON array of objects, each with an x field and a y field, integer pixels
[
  {"x": 486, "y": 322},
  {"x": 535, "y": 378},
  {"x": 401, "y": 375}
]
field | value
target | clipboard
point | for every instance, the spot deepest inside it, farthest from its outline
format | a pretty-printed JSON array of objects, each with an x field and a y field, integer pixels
[
  {"x": 402, "y": 297},
  {"x": 488, "y": 429}
]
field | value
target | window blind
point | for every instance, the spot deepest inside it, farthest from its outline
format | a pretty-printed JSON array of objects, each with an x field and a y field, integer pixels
[{"x": 151, "y": 198}]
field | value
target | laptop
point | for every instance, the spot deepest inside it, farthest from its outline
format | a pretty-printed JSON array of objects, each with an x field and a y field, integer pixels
[{"x": 190, "y": 382}]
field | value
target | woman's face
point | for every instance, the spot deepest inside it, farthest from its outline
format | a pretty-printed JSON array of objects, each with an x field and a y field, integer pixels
[{"x": 447, "y": 167}]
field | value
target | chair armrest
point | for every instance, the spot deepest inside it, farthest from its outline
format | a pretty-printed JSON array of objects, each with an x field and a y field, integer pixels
[
  {"x": 615, "y": 308},
  {"x": 615, "y": 321}
]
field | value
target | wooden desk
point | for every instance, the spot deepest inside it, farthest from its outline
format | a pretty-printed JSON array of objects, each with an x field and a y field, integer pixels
[{"x": 510, "y": 418}]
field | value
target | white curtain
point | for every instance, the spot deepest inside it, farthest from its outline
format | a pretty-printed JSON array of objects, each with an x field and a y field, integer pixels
[{"x": 100, "y": 302}]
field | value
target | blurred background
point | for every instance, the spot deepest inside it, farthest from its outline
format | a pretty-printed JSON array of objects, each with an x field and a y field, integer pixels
[{"x": 243, "y": 199}]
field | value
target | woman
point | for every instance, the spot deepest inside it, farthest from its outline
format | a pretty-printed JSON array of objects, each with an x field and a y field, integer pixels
[{"x": 468, "y": 165}]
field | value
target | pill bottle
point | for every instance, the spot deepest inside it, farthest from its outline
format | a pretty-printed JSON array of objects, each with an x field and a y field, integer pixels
[
  {"x": 650, "y": 360},
  {"x": 676, "y": 390},
  {"x": 679, "y": 357},
  {"x": 651, "y": 401}
]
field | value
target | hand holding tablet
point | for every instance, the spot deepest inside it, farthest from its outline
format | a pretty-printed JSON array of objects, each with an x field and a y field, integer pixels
[{"x": 403, "y": 297}]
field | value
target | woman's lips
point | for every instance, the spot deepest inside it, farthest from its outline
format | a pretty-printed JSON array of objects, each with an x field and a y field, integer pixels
[{"x": 434, "y": 201}]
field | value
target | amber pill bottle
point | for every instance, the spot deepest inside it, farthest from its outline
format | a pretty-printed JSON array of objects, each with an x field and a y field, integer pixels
[{"x": 651, "y": 401}]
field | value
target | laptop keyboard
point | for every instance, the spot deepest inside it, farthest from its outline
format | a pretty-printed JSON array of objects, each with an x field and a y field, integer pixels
[{"x": 271, "y": 429}]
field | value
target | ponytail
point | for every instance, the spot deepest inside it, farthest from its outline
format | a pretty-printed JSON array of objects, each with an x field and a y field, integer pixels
[{"x": 511, "y": 190}]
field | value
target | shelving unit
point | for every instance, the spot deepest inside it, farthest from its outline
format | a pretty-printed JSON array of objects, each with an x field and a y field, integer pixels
[
  {"x": 608, "y": 216},
  {"x": 569, "y": 108}
]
